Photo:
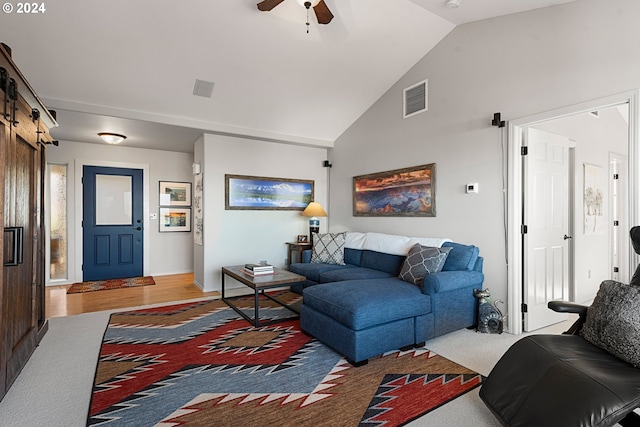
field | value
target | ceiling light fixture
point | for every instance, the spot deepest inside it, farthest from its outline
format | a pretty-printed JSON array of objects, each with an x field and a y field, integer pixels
[
  {"x": 112, "y": 138},
  {"x": 312, "y": 3},
  {"x": 308, "y": 4},
  {"x": 452, "y": 4}
]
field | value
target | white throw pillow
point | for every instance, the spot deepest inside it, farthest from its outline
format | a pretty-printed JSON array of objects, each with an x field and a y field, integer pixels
[{"x": 328, "y": 248}]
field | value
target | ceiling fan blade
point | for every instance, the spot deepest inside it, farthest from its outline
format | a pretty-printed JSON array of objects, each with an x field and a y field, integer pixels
[
  {"x": 267, "y": 5},
  {"x": 323, "y": 13}
]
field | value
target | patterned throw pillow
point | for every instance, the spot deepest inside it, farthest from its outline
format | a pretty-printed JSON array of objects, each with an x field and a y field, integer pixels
[
  {"x": 613, "y": 321},
  {"x": 422, "y": 260},
  {"x": 328, "y": 248}
]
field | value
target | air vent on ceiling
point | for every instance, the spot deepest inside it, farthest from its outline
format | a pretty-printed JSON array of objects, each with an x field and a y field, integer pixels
[
  {"x": 203, "y": 88},
  {"x": 415, "y": 99}
]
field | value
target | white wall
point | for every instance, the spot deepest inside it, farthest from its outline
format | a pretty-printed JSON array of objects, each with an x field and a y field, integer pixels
[
  {"x": 519, "y": 65},
  {"x": 165, "y": 253},
  {"x": 233, "y": 237}
]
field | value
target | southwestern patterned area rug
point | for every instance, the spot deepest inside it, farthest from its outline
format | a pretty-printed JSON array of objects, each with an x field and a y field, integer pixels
[
  {"x": 100, "y": 285},
  {"x": 199, "y": 364}
]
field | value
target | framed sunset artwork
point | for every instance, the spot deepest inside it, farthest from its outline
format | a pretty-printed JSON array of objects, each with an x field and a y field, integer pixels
[{"x": 400, "y": 192}]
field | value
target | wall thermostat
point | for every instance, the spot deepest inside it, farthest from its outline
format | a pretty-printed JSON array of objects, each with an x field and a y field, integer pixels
[{"x": 472, "y": 187}]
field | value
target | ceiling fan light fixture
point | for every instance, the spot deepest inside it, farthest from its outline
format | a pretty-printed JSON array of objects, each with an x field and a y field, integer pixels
[
  {"x": 312, "y": 3},
  {"x": 112, "y": 138},
  {"x": 452, "y": 4}
]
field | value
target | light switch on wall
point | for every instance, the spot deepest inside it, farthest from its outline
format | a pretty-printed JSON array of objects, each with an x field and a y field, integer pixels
[{"x": 472, "y": 187}]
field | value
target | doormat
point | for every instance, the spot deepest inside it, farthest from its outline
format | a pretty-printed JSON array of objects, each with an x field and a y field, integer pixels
[
  {"x": 199, "y": 363},
  {"x": 100, "y": 285}
]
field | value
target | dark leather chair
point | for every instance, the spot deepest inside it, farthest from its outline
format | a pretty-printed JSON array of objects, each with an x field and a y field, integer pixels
[{"x": 564, "y": 380}]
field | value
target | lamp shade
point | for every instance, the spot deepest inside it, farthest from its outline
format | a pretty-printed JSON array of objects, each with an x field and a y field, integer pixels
[{"x": 314, "y": 209}]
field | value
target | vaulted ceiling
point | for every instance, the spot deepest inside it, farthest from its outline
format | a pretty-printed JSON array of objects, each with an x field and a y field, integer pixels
[{"x": 130, "y": 66}]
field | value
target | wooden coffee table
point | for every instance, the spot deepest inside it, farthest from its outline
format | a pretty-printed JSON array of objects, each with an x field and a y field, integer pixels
[{"x": 259, "y": 284}]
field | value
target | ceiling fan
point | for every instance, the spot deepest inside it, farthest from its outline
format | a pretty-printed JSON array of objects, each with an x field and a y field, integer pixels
[{"x": 323, "y": 13}]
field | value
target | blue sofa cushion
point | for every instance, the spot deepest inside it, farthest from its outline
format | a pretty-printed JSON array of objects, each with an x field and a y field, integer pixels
[
  {"x": 380, "y": 261},
  {"x": 299, "y": 286},
  {"x": 461, "y": 257},
  {"x": 313, "y": 271},
  {"x": 356, "y": 303},
  {"x": 354, "y": 273},
  {"x": 328, "y": 248},
  {"x": 352, "y": 256},
  {"x": 422, "y": 260}
]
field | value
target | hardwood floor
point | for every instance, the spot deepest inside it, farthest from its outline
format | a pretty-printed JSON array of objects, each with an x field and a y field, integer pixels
[{"x": 176, "y": 287}]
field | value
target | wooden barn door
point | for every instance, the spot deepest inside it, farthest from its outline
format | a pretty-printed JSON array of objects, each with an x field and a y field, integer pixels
[{"x": 19, "y": 296}]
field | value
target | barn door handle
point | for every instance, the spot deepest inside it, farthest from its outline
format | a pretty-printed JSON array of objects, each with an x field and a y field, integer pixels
[
  {"x": 567, "y": 237},
  {"x": 16, "y": 234}
]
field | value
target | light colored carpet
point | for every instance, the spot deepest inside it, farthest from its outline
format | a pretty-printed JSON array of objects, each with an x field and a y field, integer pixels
[{"x": 55, "y": 386}]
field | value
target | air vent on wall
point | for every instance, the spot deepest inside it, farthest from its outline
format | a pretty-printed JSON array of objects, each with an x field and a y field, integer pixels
[
  {"x": 203, "y": 88},
  {"x": 415, "y": 99}
]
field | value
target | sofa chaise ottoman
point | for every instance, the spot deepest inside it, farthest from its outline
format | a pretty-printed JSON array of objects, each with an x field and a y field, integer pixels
[{"x": 361, "y": 308}]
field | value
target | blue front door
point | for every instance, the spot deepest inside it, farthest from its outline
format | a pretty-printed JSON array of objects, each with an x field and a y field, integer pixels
[{"x": 112, "y": 223}]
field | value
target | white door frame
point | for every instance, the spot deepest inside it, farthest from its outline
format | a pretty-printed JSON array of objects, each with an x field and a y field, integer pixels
[
  {"x": 514, "y": 189},
  {"x": 618, "y": 234}
]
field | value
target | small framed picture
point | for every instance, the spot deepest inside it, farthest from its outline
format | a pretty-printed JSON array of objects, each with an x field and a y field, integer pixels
[
  {"x": 175, "y": 219},
  {"x": 175, "y": 193},
  {"x": 303, "y": 238}
]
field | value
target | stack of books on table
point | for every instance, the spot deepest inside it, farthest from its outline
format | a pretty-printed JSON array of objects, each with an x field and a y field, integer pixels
[{"x": 258, "y": 269}]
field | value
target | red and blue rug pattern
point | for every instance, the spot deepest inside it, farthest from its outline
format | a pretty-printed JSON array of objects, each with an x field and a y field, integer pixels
[{"x": 198, "y": 363}]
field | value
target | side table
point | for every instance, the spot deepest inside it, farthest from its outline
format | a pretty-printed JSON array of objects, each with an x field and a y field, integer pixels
[{"x": 294, "y": 248}]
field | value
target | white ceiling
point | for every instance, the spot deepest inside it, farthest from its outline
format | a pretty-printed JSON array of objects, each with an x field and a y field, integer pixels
[{"x": 130, "y": 66}]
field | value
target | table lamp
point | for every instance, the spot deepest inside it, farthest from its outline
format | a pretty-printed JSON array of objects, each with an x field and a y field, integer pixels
[{"x": 314, "y": 210}]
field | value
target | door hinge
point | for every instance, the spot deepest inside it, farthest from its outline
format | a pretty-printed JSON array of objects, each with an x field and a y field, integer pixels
[
  {"x": 615, "y": 176},
  {"x": 524, "y": 308},
  {"x": 616, "y": 270},
  {"x": 616, "y": 223},
  {"x": 523, "y": 229},
  {"x": 524, "y": 151}
]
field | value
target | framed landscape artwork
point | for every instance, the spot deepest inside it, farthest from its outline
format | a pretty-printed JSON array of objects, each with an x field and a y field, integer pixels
[
  {"x": 261, "y": 193},
  {"x": 401, "y": 192},
  {"x": 594, "y": 189},
  {"x": 175, "y": 219},
  {"x": 175, "y": 193}
]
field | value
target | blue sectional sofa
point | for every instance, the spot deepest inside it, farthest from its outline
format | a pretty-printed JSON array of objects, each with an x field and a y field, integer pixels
[{"x": 362, "y": 309}]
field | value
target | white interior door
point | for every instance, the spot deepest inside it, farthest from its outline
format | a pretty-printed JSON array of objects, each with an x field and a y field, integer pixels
[{"x": 547, "y": 217}]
